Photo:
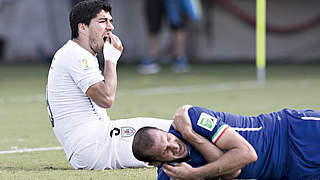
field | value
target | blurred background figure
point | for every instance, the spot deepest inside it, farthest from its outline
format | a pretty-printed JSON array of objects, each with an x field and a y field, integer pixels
[
  {"x": 177, "y": 13},
  {"x": 2, "y": 43}
]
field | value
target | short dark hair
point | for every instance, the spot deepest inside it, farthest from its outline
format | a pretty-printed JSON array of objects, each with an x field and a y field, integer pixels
[
  {"x": 83, "y": 12},
  {"x": 143, "y": 141}
]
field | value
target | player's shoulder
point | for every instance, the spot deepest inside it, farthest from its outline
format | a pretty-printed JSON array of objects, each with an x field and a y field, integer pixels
[
  {"x": 201, "y": 115},
  {"x": 72, "y": 54},
  {"x": 73, "y": 51},
  {"x": 196, "y": 111}
]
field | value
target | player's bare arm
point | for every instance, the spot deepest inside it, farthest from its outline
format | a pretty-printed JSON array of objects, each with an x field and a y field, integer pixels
[
  {"x": 182, "y": 124},
  {"x": 239, "y": 154},
  {"x": 103, "y": 93},
  {"x": 208, "y": 150}
]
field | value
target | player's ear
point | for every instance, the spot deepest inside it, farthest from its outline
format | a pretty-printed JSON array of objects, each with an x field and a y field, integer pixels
[
  {"x": 154, "y": 164},
  {"x": 81, "y": 27}
]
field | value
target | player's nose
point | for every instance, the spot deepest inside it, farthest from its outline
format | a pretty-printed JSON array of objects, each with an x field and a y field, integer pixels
[
  {"x": 173, "y": 145},
  {"x": 109, "y": 26}
]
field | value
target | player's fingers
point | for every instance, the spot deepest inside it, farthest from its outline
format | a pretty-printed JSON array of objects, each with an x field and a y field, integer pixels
[
  {"x": 108, "y": 39},
  {"x": 114, "y": 39},
  {"x": 116, "y": 42},
  {"x": 169, "y": 173},
  {"x": 182, "y": 164},
  {"x": 165, "y": 166},
  {"x": 168, "y": 167}
]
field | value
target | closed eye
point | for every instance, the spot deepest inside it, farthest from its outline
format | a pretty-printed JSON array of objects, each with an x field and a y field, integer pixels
[
  {"x": 103, "y": 20},
  {"x": 166, "y": 148},
  {"x": 165, "y": 151}
]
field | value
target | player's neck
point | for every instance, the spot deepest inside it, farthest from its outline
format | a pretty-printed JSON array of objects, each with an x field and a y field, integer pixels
[{"x": 84, "y": 44}]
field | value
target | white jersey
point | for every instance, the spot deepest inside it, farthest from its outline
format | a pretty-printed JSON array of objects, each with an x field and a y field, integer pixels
[
  {"x": 111, "y": 145},
  {"x": 72, "y": 72},
  {"x": 90, "y": 140}
]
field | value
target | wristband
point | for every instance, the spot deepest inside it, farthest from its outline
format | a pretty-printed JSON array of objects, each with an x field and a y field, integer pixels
[{"x": 110, "y": 53}]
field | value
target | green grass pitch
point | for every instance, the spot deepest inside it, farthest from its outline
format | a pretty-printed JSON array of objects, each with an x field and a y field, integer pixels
[{"x": 230, "y": 87}]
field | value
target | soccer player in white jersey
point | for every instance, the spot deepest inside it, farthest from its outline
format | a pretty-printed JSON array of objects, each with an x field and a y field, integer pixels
[{"x": 78, "y": 94}]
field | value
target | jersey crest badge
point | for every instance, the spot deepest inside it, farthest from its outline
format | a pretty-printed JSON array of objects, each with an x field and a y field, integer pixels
[
  {"x": 206, "y": 121},
  {"x": 127, "y": 131}
]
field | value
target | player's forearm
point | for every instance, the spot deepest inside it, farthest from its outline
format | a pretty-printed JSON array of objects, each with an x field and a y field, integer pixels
[
  {"x": 229, "y": 163},
  {"x": 105, "y": 93},
  {"x": 112, "y": 51},
  {"x": 208, "y": 150},
  {"x": 110, "y": 80}
]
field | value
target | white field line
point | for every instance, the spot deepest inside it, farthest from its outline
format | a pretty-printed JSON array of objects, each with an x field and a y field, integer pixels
[
  {"x": 165, "y": 90},
  {"x": 190, "y": 89},
  {"x": 31, "y": 150},
  {"x": 136, "y": 92},
  {"x": 141, "y": 92},
  {"x": 21, "y": 99}
]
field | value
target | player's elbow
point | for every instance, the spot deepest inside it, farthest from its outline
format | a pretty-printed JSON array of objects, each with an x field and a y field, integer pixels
[
  {"x": 106, "y": 102},
  {"x": 105, "y": 105},
  {"x": 254, "y": 156},
  {"x": 248, "y": 154},
  {"x": 251, "y": 154}
]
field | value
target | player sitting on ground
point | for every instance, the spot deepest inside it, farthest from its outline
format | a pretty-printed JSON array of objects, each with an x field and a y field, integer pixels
[{"x": 78, "y": 94}]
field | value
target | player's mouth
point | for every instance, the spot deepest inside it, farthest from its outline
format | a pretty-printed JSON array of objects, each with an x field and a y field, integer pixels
[
  {"x": 181, "y": 149},
  {"x": 105, "y": 37}
]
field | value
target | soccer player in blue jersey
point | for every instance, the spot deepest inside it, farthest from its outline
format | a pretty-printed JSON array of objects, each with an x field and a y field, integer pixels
[{"x": 202, "y": 143}]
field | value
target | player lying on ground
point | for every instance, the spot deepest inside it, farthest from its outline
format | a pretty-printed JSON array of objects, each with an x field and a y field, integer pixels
[{"x": 278, "y": 145}]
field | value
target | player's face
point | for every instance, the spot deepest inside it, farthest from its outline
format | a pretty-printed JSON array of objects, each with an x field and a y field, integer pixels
[
  {"x": 99, "y": 29},
  {"x": 167, "y": 147}
]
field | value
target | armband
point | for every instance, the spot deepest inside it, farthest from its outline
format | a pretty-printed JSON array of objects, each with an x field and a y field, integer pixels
[{"x": 110, "y": 53}]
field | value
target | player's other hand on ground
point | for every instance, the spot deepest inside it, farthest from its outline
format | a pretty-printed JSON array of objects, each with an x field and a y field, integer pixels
[{"x": 181, "y": 121}]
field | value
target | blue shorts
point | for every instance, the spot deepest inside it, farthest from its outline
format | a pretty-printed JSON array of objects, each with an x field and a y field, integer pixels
[
  {"x": 303, "y": 160},
  {"x": 156, "y": 10}
]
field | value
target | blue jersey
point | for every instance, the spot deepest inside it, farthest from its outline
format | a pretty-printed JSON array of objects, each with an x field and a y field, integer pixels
[{"x": 277, "y": 138}]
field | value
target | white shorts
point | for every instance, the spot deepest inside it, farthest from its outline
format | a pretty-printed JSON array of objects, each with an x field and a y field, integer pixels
[{"x": 109, "y": 145}]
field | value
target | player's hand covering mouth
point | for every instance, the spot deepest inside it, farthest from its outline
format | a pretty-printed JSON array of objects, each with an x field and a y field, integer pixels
[{"x": 107, "y": 37}]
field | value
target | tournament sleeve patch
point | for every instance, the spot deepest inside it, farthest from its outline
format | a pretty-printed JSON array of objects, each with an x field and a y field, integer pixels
[
  {"x": 85, "y": 64},
  {"x": 219, "y": 133},
  {"x": 206, "y": 121}
]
